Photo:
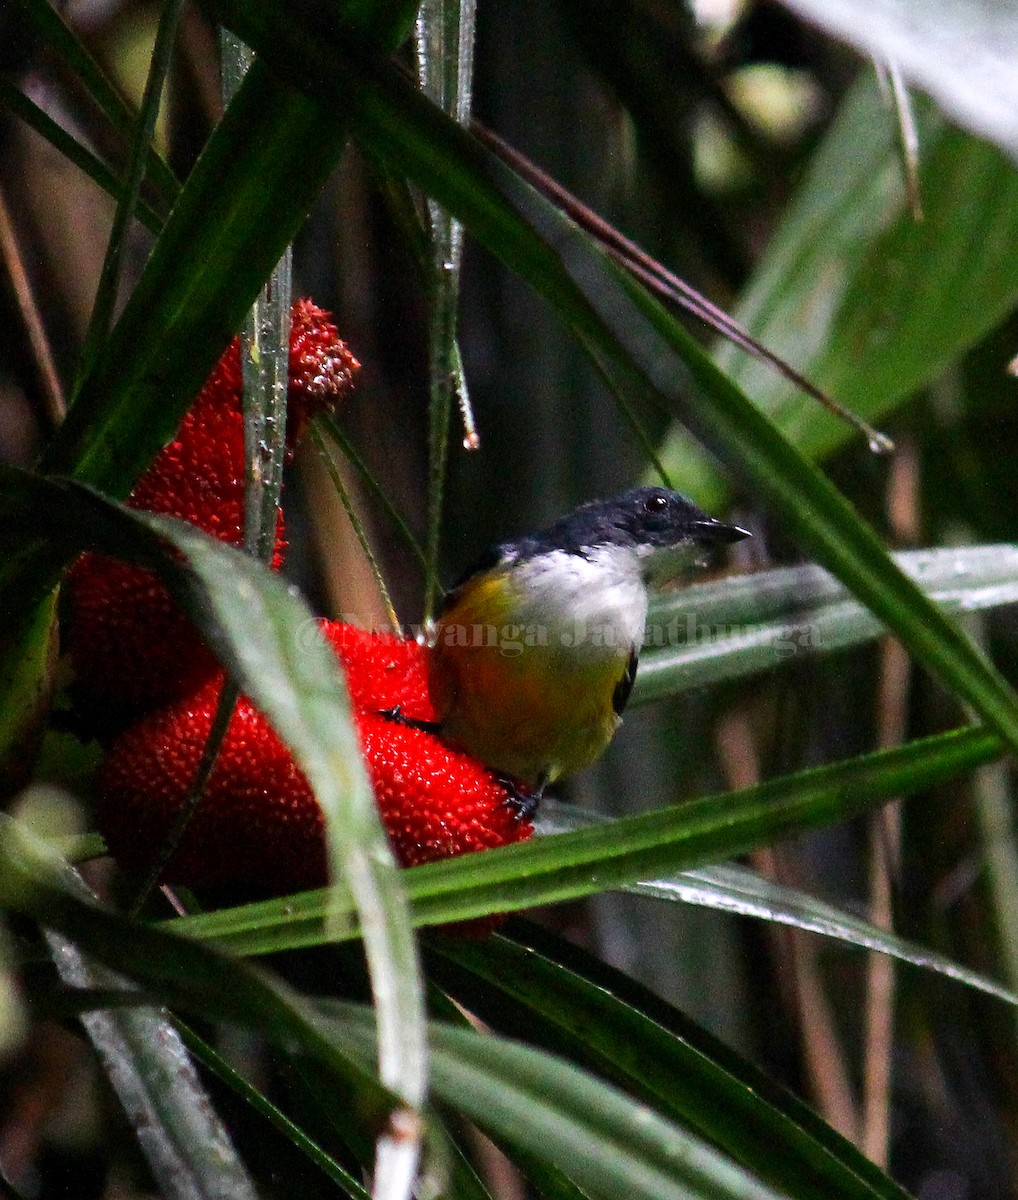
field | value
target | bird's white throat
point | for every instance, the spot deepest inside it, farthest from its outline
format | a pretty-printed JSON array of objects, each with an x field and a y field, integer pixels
[{"x": 595, "y": 603}]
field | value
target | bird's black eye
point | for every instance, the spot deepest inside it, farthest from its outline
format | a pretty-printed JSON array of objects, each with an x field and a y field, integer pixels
[{"x": 655, "y": 504}]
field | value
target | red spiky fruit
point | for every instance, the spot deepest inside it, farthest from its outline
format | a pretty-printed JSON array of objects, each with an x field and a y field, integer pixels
[
  {"x": 257, "y": 825},
  {"x": 383, "y": 671},
  {"x": 322, "y": 369},
  {"x": 258, "y": 828},
  {"x": 131, "y": 647}
]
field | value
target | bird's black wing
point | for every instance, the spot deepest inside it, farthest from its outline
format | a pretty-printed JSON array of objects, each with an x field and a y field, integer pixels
[{"x": 624, "y": 687}]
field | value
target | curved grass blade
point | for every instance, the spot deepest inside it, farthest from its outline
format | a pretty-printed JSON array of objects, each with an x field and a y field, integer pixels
[
  {"x": 297, "y": 684},
  {"x": 738, "y": 890},
  {"x": 144, "y": 1059},
  {"x": 734, "y": 889},
  {"x": 338, "y": 435},
  {"x": 601, "y": 1139},
  {"x": 647, "y": 846},
  {"x": 68, "y": 46},
  {"x": 109, "y": 276},
  {"x": 240, "y": 208},
  {"x": 215, "y": 1062},
  {"x": 532, "y": 985},
  {"x": 73, "y": 150},
  {"x": 268, "y": 640},
  {"x": 187, "y": 1148},
  {"x": 198, "y": 979},
  {"x": 221, "y": 718},
  {"x": 242, "y": 205},
  {"x": 872, "y": 305},
  {"x": 666, "y": 284},
  {"x": 360, "y": 533},
  {"x": 655, "y": 357},
  {"x": 728, "y": 628},
  {"x": 970, "y": 577},
  {"x": 509, "y": 1087}
]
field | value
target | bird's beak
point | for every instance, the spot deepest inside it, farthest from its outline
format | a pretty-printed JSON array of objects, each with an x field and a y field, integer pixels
[{"x": 710, "y": 532}]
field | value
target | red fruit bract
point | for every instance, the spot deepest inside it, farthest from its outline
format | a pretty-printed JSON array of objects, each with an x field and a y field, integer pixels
[
  {"x": 435, "y": 801},
  {"x": 383, "y": 671},
  {"x": 258, "y": 827},
  {"x": 322, "y": 369},
  {"x": 131, "y": 648},
  {"x": 131, "y": 645}
]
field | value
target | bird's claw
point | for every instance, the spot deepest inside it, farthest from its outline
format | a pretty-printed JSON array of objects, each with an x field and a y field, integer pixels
[
  {"x": 523, "y": 801},
  {"x": 395, "y": 714}
]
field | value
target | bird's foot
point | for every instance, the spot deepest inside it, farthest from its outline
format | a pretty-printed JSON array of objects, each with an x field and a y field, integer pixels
[
  {"x": 522, "y": 800},
  {"x": 395, "y": 715}
]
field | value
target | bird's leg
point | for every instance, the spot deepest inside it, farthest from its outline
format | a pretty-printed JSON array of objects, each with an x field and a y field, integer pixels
[
  {"x": 522, "y": 800},
  {"x": 395, "y": 715}
]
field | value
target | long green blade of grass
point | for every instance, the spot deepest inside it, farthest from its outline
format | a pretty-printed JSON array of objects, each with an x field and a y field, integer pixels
[
  {"x": 38, "y": 884},
  {"x": 510, "y": 1089},
  {"x": 600, "y": 1138},
  {"x": 180, "y": 1134},
  {"x": 623, "y": 852},
  {"x": 73, "y": 150},
  {"x": 734, "y": 889},
  {"x": 241, "y": 206},
  {"x": 279, "y": 1121},
  {"x": 266, "y": 637},
  {"x": 538, "y": 988},
  {"x": 872, "y": 305},
  {"x": 109, "y": 277},
  {"x": 65, "y": 43},
  {"x": 732, "y": 627}
]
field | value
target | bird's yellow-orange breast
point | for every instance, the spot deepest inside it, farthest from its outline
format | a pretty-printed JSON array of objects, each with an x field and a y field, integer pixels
[{"x": 520, "y": 698}]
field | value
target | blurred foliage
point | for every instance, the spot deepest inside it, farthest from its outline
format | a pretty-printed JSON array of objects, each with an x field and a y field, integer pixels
[{"x": 757, "y": 159}]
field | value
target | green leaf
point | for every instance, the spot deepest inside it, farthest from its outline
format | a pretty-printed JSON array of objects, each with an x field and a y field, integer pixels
[
  {"x": 600, "y": 1138},
  {"x": 727, "y": 628},
  {"x": 539, "y": 988},
  {"x": 267, "y": 638},
  {"x": 958, "y": 50},
  {"x": 588, "y": 861},
  {"x": 260, "y": 1103},
  {"x": 182, "y": 1138},
  {"x": 127, "y": 202},
  {"x": 610, "y": 311},
  {"x": 35, "y": 882},
  {"x": 55, "y": 33},
  {"x": 73, "y": 150},
  {"x": 241, "y": 206},
  {"x": 734, "y": 889},
  {"x": 856, "y": 294}
]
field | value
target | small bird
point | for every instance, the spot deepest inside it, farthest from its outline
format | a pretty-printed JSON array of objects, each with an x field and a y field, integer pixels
[{"x": 534, "y": 653}]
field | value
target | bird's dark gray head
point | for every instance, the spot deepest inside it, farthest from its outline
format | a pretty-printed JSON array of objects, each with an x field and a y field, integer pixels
[
  {"x": 644, "y": 519},
  {"x": 656, "y": 529}
]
